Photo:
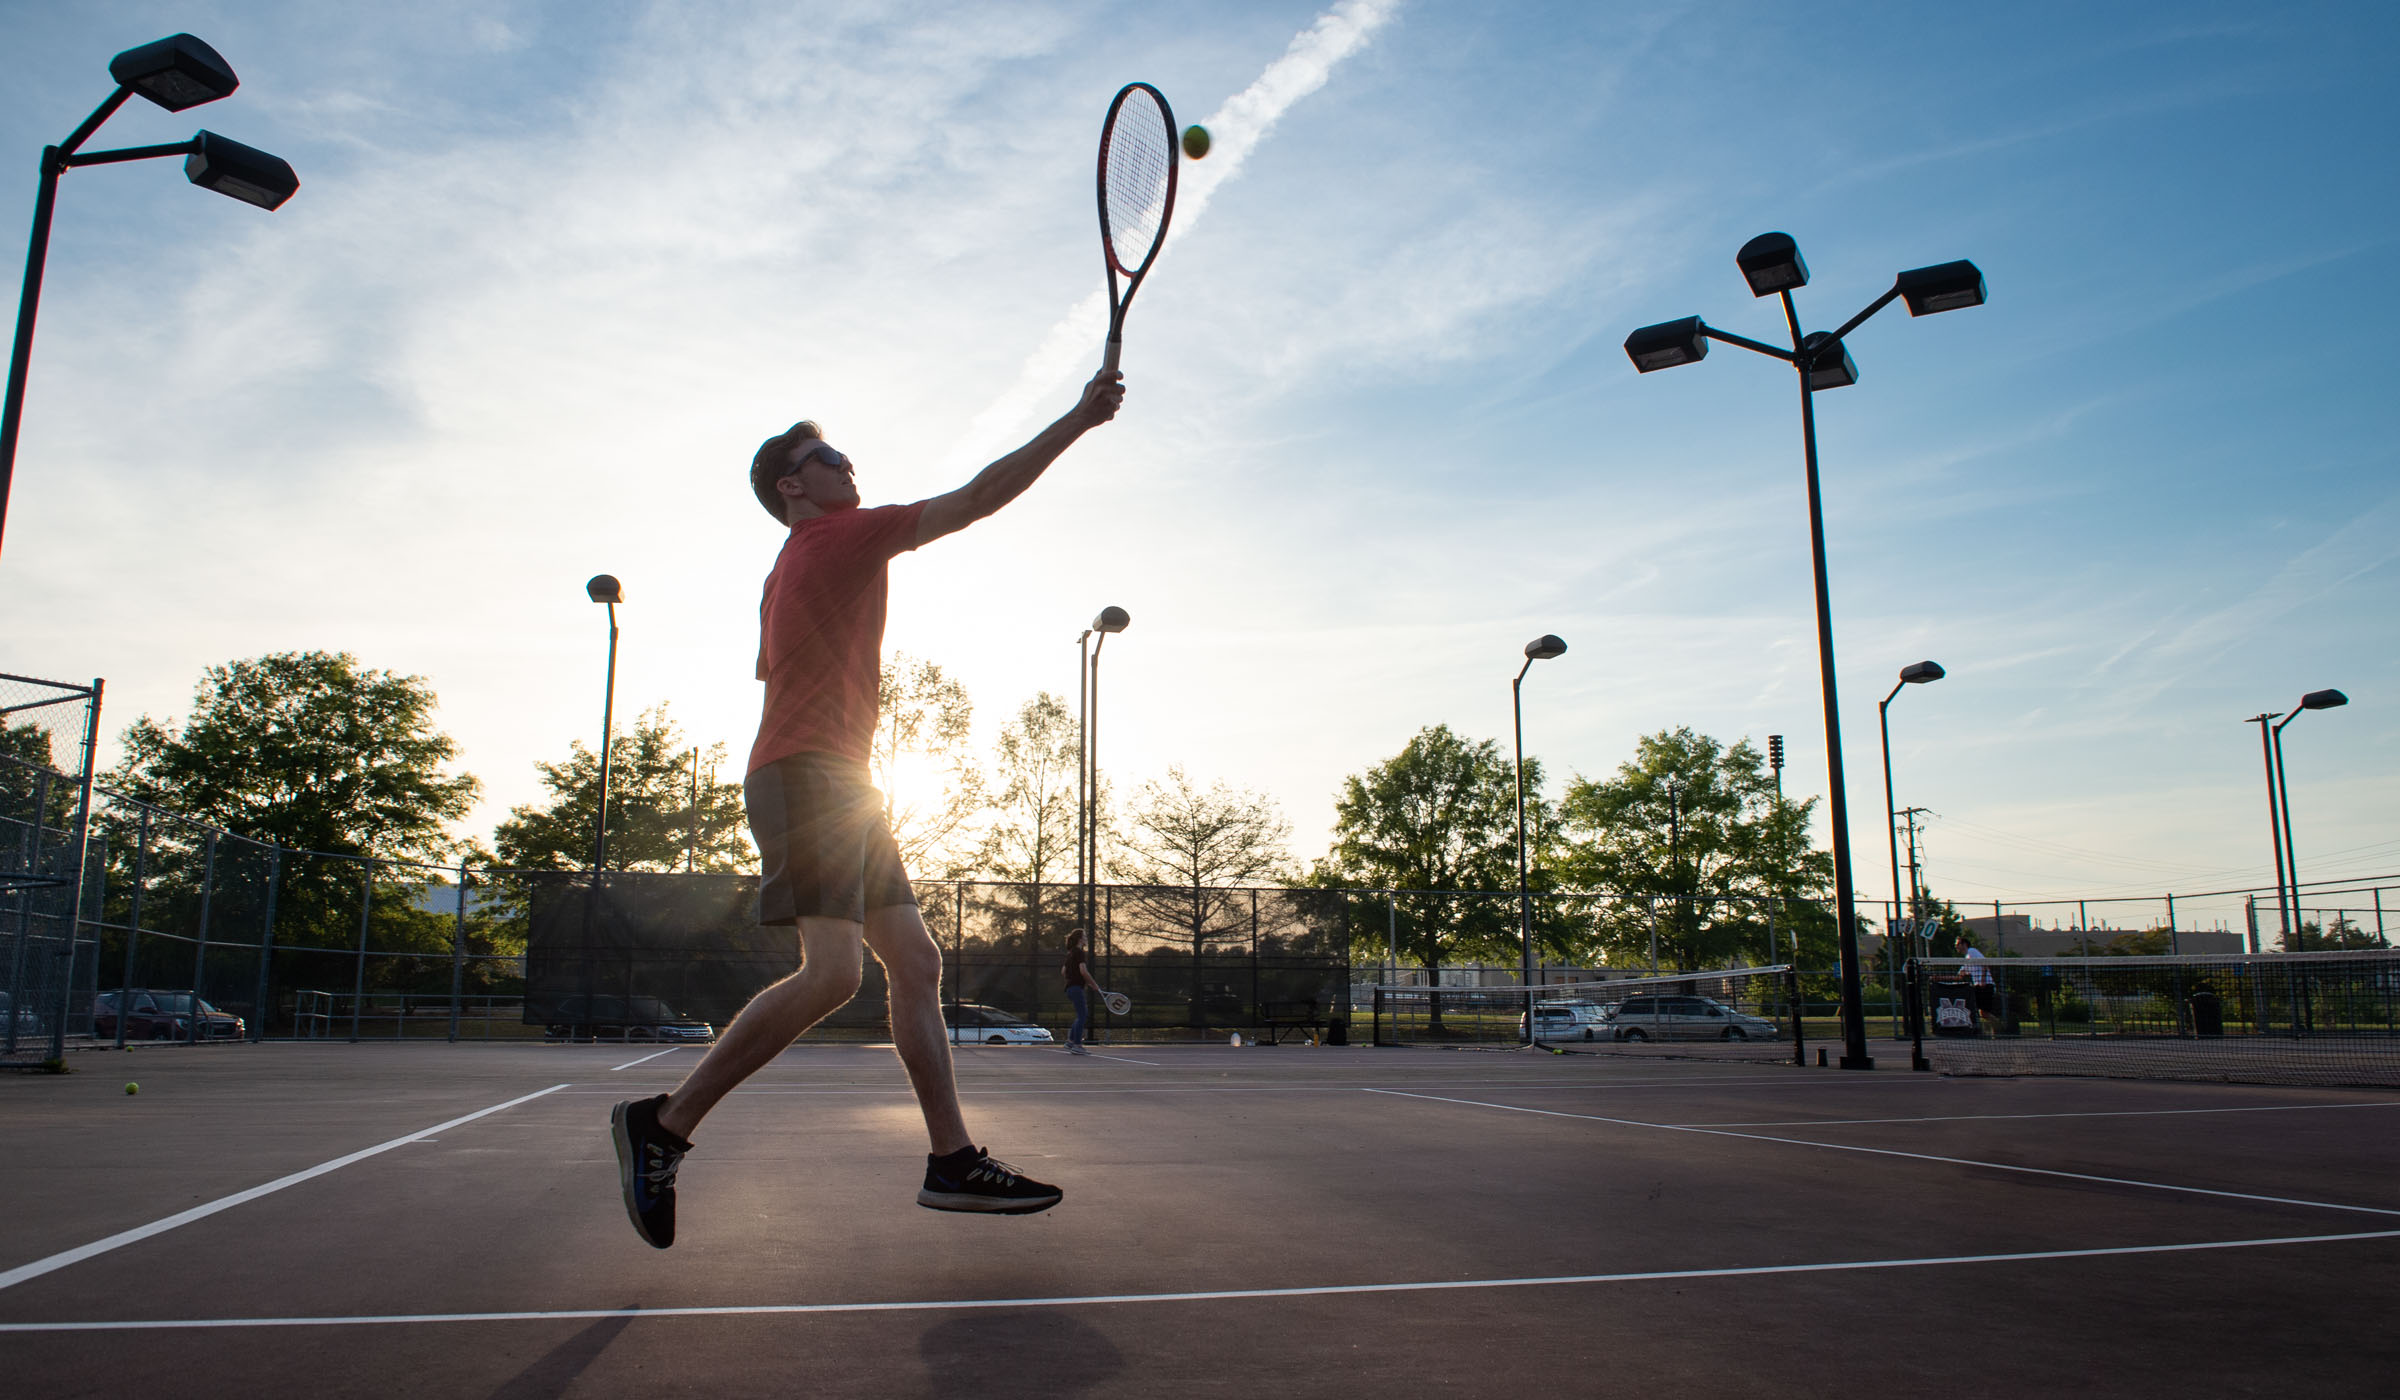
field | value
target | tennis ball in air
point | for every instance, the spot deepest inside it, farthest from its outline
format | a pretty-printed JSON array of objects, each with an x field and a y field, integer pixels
[
  {"x": 1195, "y": 141},
  {"x": 132, "y": 1088}
]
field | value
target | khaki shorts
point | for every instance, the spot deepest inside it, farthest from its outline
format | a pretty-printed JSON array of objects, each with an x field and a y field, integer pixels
[{"x": 823, "y": 848}]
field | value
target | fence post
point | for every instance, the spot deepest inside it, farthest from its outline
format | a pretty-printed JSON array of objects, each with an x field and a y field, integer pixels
[
  {"x": 30, "y": 847},
  {"x": 83, "y": 831},
  {"x": 208, "y": 890},
  {"x": 1791, "y": 991},
  {"x": 1916, "y": 1016},
  {"x": 266, "y": 948},
  {"x": 2174, "y": 940},
  {"x": 358, "y": 986},
  {"x": 458, "y": 941},
  {"x": 133, "y": 924}
]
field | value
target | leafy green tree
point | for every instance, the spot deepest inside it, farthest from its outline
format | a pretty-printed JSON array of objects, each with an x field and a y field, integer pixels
[
  {"x": 337, "y": 763},
  {"x": 1029, "y": 839},
  {"x": 654, "y": 821},
  {"x": 1437, "y": 819},
  {"x": 932, "y": 788},
  {"x": 1694, "y": 840}
]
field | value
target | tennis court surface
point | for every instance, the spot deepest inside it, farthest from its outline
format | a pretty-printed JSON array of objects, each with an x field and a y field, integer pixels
[{"x": 290, "y": 1219}]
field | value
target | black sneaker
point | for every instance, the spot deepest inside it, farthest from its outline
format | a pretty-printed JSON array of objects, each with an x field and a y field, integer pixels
[
  {"x": 647, "y": 1156},
  {"x": 971, "y": 1179}
]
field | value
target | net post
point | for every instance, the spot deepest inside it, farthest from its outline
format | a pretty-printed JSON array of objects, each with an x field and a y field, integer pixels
[
  {"x": 1916, "y": 1016},
  {"x": 1791, "y": 987},
  {"x": 1377, "y": 1041}
]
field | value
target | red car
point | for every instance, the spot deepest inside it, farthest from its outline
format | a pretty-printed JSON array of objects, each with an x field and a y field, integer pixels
[{"x": 162, "y": 1016}]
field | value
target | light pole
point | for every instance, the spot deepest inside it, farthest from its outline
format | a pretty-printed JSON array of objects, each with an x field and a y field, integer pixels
[
  {"x": 1771, "y": 264},
  {"x": 1774, "y": 901},
  {"x": 2314, "y": 700},
  {"x": 604, "y": 588},
  {"x": 1924, "y": 672},
  {"x": 177, "y": 72},
  {"x": 1111, "y": 620},
  {"x": 1541, "y": 648}
]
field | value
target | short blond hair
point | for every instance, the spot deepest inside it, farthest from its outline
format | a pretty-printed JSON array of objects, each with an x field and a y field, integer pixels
[{"x": 773, "y": 461}]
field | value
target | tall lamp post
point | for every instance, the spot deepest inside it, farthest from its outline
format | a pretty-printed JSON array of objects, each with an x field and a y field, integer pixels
[
  {"x": 1922, "y": 673},
  {"x": 177, "y": 72},
  {"x": 604, "y": 588},
  {"x": 2282, "y": 797},
  {"x": 1111, "y": 620},
  {"x": 1541, "y": 648},
  {"x": 1771, "y": 264}
]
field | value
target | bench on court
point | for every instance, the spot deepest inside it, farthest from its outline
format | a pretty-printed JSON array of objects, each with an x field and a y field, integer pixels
[{"x": 1277, "y": 1019}]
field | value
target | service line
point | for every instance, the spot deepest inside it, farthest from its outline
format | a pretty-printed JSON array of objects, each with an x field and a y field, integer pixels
[
  {"x": 77, "y": 1255},
  {"x": 1209, "y": 1296}
]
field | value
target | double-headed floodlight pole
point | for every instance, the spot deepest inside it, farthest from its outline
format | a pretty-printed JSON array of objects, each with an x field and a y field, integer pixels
[
  {"x": 2279, "y": 796},
  {"x": 1771, "y": 264},
  {"x": 604, "y": 588},
  {"x": 1919, "y": 674},
  {"x": 1087, "y": 773},
  {"x": 176, "y": 72},
  {"x": 1541, "y": 648}
]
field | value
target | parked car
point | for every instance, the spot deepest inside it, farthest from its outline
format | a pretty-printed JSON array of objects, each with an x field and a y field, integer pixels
[
  {"x": 1685, "y": 1018},
  {"x": 1566, "y": 1020},
  {"x": 28, "y": 1021},
  {"x": 162, "y": 1016},
  {"x": 624, "y": 1018},
  {"x": 973, "y": 1023}
]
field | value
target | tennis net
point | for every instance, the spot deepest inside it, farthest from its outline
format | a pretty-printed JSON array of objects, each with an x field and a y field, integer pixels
[
  {"x": 2262, "y": 1018},
  {"x": 1741, "y": 1013}
]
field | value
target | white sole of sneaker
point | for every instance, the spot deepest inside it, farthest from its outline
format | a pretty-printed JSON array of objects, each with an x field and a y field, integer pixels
[{"x": 985, "y": 1205}]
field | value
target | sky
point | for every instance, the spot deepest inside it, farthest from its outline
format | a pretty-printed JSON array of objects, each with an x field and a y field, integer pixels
[{"x": 555, "y": 270}]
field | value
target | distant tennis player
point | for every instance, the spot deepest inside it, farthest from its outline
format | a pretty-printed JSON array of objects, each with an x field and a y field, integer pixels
[{"x": 827, "y": 860}]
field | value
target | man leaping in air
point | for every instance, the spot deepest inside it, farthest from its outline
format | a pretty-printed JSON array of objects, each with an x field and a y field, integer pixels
[{"x": 827, "y": 860}]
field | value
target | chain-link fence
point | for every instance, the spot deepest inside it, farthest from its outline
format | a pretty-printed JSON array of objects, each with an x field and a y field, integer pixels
[{"x": 48, "y": 732}]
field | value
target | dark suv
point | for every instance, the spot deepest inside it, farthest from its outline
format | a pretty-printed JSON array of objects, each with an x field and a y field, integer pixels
[{"x": 162, "y": 1016}]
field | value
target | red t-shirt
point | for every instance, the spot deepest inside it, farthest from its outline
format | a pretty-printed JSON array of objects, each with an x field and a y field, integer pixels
[{"x": 820, "y": 632}]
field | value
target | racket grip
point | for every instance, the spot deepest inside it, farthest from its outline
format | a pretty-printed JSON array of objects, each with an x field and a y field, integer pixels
[{"x": 1108, "y": 361}]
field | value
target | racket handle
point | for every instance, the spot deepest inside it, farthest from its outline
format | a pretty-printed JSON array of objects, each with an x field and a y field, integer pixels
[{"x": 1108, "y": 361}]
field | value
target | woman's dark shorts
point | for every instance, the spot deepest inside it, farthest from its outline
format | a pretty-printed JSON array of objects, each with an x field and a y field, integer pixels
[{"x": 823, "y": 848}]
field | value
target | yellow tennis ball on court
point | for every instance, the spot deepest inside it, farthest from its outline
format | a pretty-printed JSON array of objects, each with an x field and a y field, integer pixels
[
  {"x": 132, "y": 1088},
  {"x": 1195, "y": 141}
]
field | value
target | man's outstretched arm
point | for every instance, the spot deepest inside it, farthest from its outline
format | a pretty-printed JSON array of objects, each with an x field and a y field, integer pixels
[{"x": 1005, "y": 480}]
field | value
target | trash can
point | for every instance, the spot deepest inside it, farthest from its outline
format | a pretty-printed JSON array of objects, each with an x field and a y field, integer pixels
[
  {"x": 2208, "y": 1013},
  {"x": 1337, "y": 1029},
  {"x": 1953, "y": 1001}
]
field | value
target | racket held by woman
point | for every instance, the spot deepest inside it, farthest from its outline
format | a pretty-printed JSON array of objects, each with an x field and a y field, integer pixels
[
  {"x": 1138, "y": 156},
  {"x": 1117, "y": 1002}
]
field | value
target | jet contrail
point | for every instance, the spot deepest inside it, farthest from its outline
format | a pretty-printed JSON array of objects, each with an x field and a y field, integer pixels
[{"x": 1072, "y": 347}]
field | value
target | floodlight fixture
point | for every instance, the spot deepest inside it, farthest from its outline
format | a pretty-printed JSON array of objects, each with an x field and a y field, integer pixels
[
  {"x": 604, "y": 588},
  {"x": 176, "y": 72},
  {"x": 1111, "y": 619},
  {"x": 2323, "y": 700},
  {"x": 1829, "y": 362},
  {"x": 1771, "y": 263},
  {"x": 1667, "y": 344},
  {"x": 1543, "y": 647},
  {"x": 1942, "y": 287},
  {"x": 1922, "y": 672},
  {"x": 246, "y": 173}
]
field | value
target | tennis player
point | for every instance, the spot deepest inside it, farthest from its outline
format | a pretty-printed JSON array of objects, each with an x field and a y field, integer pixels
[{"x": 827, "y": 860}]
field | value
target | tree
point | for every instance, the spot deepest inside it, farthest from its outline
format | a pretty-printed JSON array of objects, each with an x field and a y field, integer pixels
[
  {"x": 1694, "y": 840},
  {"x": 932, "y": 789},
  {"x": 309, "y": 750},
  {"x": 1030, "y": 840},
  {"x": 1439, "y": 816},
  {"x": 313, "y": 752},
  {"x": 654, "y": 822},
  {"x": 1188, "y": 852}
]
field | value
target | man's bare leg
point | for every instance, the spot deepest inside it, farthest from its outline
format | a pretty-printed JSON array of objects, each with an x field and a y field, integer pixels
[
  {"x": 828, "y": 977},
  {"x": 912, "y": 965}
]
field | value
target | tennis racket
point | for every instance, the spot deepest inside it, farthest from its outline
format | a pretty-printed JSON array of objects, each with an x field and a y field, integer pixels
[
  {"x": 1138, "y": 156},
  {"x": 1118, "y": 1003}
]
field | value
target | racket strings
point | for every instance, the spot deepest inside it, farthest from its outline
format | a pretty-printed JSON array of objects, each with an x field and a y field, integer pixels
[{"x": 1138, "y": 154}]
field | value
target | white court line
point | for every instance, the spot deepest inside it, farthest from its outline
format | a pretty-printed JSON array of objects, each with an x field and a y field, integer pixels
[
  {"x": 1912, "y": 1156},
  {"x": 1208, "y": 1296},
  {"x": 2013, "y": 1117},
  {"x": 136, "y": 1235},
  {"x": 644, "y": 1059},
  {"x": 1120, "y": 1059}
]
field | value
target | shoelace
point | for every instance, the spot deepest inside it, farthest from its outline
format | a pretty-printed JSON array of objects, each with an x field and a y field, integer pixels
[
  {"x": 660, "y": 1169},
  {"x": 1000, "y": 1173}
]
